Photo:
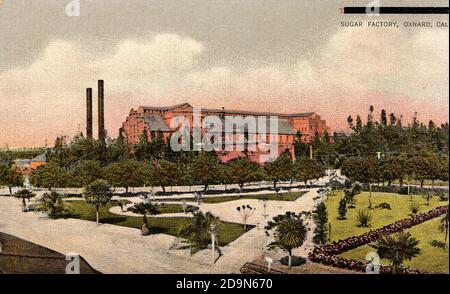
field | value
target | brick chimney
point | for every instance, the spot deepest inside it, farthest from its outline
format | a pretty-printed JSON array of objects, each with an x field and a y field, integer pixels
[
  {"x": 89, "y": 113},
  {"x": 101, "y": 111}
]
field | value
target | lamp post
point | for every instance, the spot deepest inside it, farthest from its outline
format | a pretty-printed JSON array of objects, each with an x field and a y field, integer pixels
[
  {"x": 213, "y": 232},
  {"x": 184, "y": 206}
]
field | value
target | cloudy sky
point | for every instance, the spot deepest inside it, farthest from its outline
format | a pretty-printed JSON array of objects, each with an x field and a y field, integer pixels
[{"x": 277, "y": 55}]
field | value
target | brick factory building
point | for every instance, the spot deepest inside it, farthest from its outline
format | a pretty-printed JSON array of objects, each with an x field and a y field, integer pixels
[{"x": 155, "y": 121}]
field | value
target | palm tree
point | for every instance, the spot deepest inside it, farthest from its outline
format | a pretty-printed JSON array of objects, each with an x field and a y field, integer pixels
[
  {"x": 144, "y": 208},
  {"x": 53, "y": 204},
  {"x": 24, "y": 194},
  {"x": 98, "y": 193},
  {"x": 443, "y": 227},
  {"x": 290, "y": 232},
  {"x": 197, "y": 231},
  {"x": 397, "y": 248}
]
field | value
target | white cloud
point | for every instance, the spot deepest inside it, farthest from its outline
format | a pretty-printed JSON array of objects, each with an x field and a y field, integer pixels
[{"x": 356, "y": 68}]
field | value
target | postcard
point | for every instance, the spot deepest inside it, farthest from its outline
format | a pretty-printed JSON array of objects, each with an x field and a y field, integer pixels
[{"x": 224, "y": 137}]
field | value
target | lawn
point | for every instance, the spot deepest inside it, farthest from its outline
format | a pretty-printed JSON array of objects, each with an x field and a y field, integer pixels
[
  {"x": 164, "y": 208},
  {"x": 290, "y": 196},
  {"x": 431, "y": 258},
  {"x": 22, "y": 257},
  {"x": 227, "y": 232},
  {"x": 341, "y": 229}
]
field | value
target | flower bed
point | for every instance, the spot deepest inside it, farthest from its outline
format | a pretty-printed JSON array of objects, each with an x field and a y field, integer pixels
[{"x": 328, "y": 254}]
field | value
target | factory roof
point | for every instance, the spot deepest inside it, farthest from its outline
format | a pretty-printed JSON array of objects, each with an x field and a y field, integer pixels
[
  {"x": 155, "y": 123},
  {"x": 229, "y": 111},
  {"x": 284, "y": 128},
  {"x": 40, "y": 158}
]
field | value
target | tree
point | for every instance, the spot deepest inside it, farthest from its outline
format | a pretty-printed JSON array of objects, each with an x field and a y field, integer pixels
[
  {"x": 393, "y": 168},
  {"x": 353, "y": 168},
  {"x": 224, "y": 175},
  {"x": 420, "y": 168},
  {"x": 164, "y": 173},
  {"x": 444, "y": 166},
  {"x": 86, "y": 171},
  {"x": 342, "y": 209},
  {"x": 306, "y": 169},
  {"x": 97, "y": 194},
  {"x": 197, "y": 231},
  {"x": 350, "y": 193},
  {"x": 397, "y": 248},
  {"x": 128, "y": 173},
  {"x": 53, "y": 204},
  {"x": 435, "y": 168},
  {"x": 301, "y": 148},
  {"x": 290, "y": 232},
  {"x": 10, "y": 177},
  {"x": 245, "y": 211},
  {"x": 383, "y": 118},
  {"x": 206, "y": 169},
  {"x": 241, "y": 170},
  {"x": 50, "y": 176},
  {"x": 279, "y": 169},
  {"x": 24, "y": 194},
  {"x": 151, "y": 149},
  {"x": 444, "y": 227},
  {"x": 118, "y": 149},
  {"x": 144, "y": 208},
  {"x": 320, "y": 217},
  {"x": 184, "y": 168}
]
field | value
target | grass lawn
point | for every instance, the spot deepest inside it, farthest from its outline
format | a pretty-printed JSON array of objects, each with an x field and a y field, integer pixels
[
  {"x": 22, "y": 257},
  {"x": 174, "y": 208},
  {"x": 341, "y": 229},
  {"x": 290, "y": 196},
  {"x": 227, "y": 232},
  {"x": 430, "y": 259}
]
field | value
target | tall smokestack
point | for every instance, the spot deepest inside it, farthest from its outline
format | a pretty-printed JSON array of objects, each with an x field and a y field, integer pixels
[
  {"x": 101, "y": 111},
  {"x": 89, "y": 113}
]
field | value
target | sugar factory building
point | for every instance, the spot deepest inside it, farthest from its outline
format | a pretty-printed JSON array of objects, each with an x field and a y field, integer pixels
[{"x": 155, "y": 122}]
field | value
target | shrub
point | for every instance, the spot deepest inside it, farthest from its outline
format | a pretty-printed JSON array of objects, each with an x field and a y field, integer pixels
[
  {"x": 335, "y": 185},
  {"x": 413, "y": 208},
  {"x": 443, "y": 196},
  {"x": 364, "y": 218},
  {"x": 427, "y": 196},
  {"x": 296, "y": 261},
  {"x": 383, "y": 205},
  {"x": 53, "y": 205},
  {"x": 403, "y": 191},
  {"x": 349, "y": 197},
  {"x": 320, "y": 217},
  {"x": 356, "y": 188},
  {"x": 438, "y": 244},
  {"x": 342, "y": 209}
]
